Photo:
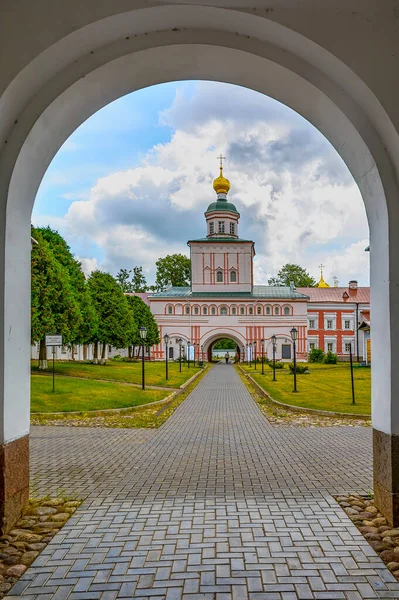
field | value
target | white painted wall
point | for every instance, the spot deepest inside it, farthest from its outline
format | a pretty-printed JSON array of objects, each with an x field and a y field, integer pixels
[{"x": 334, "y": 64}]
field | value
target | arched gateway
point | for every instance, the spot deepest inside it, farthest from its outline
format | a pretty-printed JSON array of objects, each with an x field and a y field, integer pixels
[{"x": 332, "y": 66}]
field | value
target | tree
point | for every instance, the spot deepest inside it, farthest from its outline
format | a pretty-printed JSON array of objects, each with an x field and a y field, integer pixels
[
  {"x": 142, "y": 317},
  {"x": 294, "y": 274},
  {"x": 115, "y": 322},
  {"x": 174, "y": 269},
  {"x": 224, "y": 344},
  {"x": 139, "y": 282},
  {"x": 54, "y": 308},
  {"x": 62, "y": 253},
  {"x": 122, "y": 278}
]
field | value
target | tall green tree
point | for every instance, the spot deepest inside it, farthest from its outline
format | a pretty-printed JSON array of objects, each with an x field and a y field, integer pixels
[
  {"x": 295, "y": 274},
  {"x": 115, "y": 322},
  {"x": 54, "y": 307},
  {"x": 173, "y": 269},
  {"x": 89, "y": 321},
  {"x": 123, "y": 279},
  {"x": 142, "y": 317},
  {"x": 139, "y": 282}
]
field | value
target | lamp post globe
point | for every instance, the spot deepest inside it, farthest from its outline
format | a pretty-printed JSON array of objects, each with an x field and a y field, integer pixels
[{"x": 294, "y": 337}]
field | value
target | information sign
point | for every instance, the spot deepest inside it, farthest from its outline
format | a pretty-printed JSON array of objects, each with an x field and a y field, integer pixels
[{"x": 53, "y": 340}]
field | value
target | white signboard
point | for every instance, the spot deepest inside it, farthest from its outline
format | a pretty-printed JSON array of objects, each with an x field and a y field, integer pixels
[{"x": 53, "y": 340}]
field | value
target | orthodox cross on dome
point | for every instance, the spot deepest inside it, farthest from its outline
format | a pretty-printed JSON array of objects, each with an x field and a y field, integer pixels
[
  {"x": 221, "y": 159},
  {"x": 322, "y": 283}
]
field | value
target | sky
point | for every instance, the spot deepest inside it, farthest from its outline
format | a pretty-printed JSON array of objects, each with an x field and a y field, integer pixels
[{"x": 132, "y": 183}]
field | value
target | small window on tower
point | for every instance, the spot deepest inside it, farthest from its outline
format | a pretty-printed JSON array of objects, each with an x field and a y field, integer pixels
[
  {"x": 233, "y": 276},
  {"x": 211, "y": 228},
  {"x": 259, "y": 310},
  {"x": 242, "y": 310},
  {"x": 232, "y": 229},
  {"x": 251, "y": 310},
  {"x": 213, "y": 310},
  {"x": 223, "y": 310},
  {"x": 187, "y": 311},
  {"x": 221, "y": 226},
  {"x": 268, "y": 310},
  {"x": 219, "y": 277},
  {"x": 286, "y": 310},
  {"x": 233, "y": 311},
  {"x": 170, "y": 310},
  {"x": 196, "y": 310},
  {"x": 205, "y": 310},
  {"x": 276, "y": 310}
]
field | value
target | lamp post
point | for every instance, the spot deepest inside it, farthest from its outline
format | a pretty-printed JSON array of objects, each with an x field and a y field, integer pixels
[
  {"x": 188, "y": 354},
  {"x": 274, "y": 339},
  {"x": 180, "y": 347},
  {"x": 294, "y": 337},
  {"x": 194, "y": 345},
  {"x": 166, "y": 340},
  {"x": 255, "y": 352},
  {"x": 143, "y": 335},
  {"x": 262, "y": 343},
  {"x": 202, "y": 353},
  {"x": 243, "y": 354},
  {"x": 250, "y": 354}
]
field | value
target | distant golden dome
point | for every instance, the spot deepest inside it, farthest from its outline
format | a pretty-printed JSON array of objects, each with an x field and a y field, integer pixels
[
  {"x": 221, "y": 185},
  {"x": 322, "y": 283}
]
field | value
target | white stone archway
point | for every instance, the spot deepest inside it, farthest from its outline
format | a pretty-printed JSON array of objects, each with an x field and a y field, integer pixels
[{"x": 57, "y": 76}]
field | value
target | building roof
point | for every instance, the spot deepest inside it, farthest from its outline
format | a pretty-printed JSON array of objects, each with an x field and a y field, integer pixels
[
  {"x": 221, "y": 239},
  {"x": 221, "y": 205},
  {"x": 259, "y": 291},
  {"x": 337, "y": 294}
]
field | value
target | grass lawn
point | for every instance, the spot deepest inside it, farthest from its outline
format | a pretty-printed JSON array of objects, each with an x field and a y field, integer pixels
[
  {"x": 80, "y": 395},
  {"x": 326, "y": 387},
  {"x": 129, "y": 372}
]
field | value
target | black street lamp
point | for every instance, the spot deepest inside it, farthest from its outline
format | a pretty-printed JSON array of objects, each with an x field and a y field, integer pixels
[
  {"x": 243, "y": 354},
  {"x": 274, "y": 340},
  {"x": 250, "y": 354},
  {"x": 188, "y": 354},
  {"x": 255, "y": 353},
  {"x": 180, "y": 347},
  {"x": 202, "y": 353},
  {"x": 143, "y": 335},
  {"x": 262, "y": 343},
  {"x": 166, "y": 340},
  {"x": 194, "y": 345},
  {"x": 294, "y": 337}
]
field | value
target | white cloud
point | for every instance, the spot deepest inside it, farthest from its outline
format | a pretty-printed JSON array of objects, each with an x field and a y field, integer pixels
[
  {"x": 88, "y": 264},
  {"x": 296, "y": 197}
]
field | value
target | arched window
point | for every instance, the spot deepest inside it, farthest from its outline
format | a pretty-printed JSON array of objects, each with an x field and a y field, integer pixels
[
  {"x": 196, "y": 310},
  {"x": 187, "y": 310},
  {"x": 219, "y": 277},
  {"x": 259, "y": 310},
  {"x": 286, "y": 310},
  {"x": 233, "y": 276},
  {"x": 233, "y": 310},
  {"x": 213, "y": 310},
  {"x": 223, "y": 310},
  {"x": 170, "y": 310},
  {"x": 276, "y": 310},
  {"x": 171, "y": 352},
  {"x": 242, "y": 310},
  {"x": 268, "y": 310},
  {"x": 205, "y": 310},
  {"x": 251, "y": 310},
  {"x": 211, "y": 228}
]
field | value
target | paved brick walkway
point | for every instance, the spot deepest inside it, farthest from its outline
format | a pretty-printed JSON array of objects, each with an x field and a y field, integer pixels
[{"x": 217, "y": 504}]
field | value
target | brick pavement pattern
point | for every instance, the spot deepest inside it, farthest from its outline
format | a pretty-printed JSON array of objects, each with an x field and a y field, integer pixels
[{"x": 215, "y": 505}]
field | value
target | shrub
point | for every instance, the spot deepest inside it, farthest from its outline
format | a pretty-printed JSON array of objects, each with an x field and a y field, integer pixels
[
  {"x": 316, "y": 355},
  {"x": 279, "y": 365},
  {"x": 117, "y": 358},
  {"x": 330, "y": 358},
  {"x": 300, "y": 369}
]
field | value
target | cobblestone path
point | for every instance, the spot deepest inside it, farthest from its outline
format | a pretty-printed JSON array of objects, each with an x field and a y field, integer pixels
[{"x": 216, "y": 505}]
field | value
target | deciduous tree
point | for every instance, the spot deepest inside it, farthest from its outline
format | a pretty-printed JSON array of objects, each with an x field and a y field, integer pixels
[
  {"x": 294, "y": 274},
  {"x": 173, "y": 269}
]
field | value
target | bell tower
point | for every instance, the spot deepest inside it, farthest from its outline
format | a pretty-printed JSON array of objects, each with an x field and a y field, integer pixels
[{"x": 222, "y": 261}]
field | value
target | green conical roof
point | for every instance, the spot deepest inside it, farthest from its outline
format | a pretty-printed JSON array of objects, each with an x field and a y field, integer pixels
[{"x": 222, "y": 205}]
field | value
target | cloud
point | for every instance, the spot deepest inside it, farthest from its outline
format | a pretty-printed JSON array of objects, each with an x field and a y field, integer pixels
[
  {"x": 88, "y": 264},
  {"x": 296, "y": 197}
]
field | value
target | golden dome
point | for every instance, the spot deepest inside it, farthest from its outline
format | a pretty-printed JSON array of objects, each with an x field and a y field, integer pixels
[
  {"x": 221, "y": 185},
  {"x": 322, "y": 283}
]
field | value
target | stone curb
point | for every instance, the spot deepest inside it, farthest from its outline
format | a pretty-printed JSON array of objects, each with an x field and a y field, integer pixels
[
  {"x": 301, "y": 409},
  {"x": 105, "y": 411},
  {"x": 187, "y": 383}
]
